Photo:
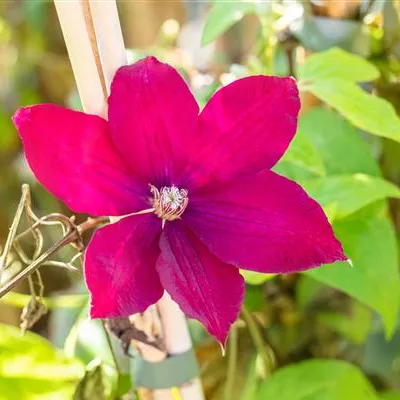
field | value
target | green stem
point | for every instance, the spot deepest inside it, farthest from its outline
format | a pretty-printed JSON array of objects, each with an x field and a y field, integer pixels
[
  {"x": 114, "y": 357},
  {"x": 258, "y": 341},
  {"x": 232, "y": 361}
]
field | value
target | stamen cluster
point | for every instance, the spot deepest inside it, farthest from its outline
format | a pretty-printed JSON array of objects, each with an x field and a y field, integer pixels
[{"x": 169, "y": 202}]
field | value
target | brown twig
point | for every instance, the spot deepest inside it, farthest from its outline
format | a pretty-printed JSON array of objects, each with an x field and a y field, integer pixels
[
  {"x": 13, "y": 229},
  {"x": 72, "y": 235}
]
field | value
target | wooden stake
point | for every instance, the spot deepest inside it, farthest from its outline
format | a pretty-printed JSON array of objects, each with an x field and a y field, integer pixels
[
  {"x": 96, "y": 50},
  {"x": 73, "y": 26}
]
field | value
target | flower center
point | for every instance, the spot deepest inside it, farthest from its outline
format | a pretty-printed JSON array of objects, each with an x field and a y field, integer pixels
[{"x": 169, "y": 202}]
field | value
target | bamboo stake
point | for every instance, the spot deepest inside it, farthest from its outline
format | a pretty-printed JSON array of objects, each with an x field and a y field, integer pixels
[
  {"x": 73, "y": 26},
  {"x": 93, "y": 85}
]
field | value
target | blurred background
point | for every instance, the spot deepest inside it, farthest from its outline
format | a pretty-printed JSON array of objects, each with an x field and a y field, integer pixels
[{"x": 330, "y": 333}]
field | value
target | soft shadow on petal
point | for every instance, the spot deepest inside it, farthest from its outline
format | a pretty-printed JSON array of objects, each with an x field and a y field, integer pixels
[
  {"x": 245, "y": 127},
  {"x": 153, "y": 120},
  {"x": 264, "y": 223},
  {"x": 120, "y": 267},
  {"x": 72, "y": 155},
  {"x": 204, "y": 287}
]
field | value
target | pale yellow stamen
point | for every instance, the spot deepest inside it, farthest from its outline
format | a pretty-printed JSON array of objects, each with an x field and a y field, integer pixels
[{"x": 169, "y": 202}]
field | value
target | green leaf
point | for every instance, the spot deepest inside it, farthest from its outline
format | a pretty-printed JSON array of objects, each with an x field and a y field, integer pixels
[
  {"x": 366, "y": 111},
  {"x": 255, "y": 278},
  {"x": 317, "y": 380},
  {"x": 370, "y": 243},
  {"x": 223, "y": 15},
  {"x": 302, "y": 153},
  {"x": 349, "y": 193},
  {"x": 338, "y": 143},
  {"x": 35, "y": 389},
  {"x": 30, "y": 368},
  {"x": 337, "y": 63},
  {"x": 92, "y": 385}
]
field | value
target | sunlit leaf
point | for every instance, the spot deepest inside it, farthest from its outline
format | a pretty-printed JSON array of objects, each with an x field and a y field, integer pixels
[
  {"x": 349, "y": 193},
  {"x": 255, "y": 278},
  {"x": 223, "y": 15},
  {"x": 30, "y": 368},
  {"x": 366, "y": 111},
  {"x": 337, "y": 63},
  {"x": 316, "y": 380},
  {"x": 338, "y": 143},
  {"x": 303, "y": 154},
  {"x": 35, "y": 389},
  {"x": 371, "y": 245}
]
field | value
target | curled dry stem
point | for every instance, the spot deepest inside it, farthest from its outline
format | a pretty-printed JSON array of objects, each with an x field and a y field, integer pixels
[{"x": 72, "y": 235}]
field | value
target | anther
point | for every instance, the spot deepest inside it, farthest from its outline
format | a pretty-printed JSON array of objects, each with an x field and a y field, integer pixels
[{"x": 169, "y": 202}]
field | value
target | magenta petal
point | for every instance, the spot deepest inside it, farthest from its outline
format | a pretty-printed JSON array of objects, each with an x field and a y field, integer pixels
[
  {"x": 248, "y": 125},
  {"x": 204, "y": 287},
  {"x": 72, "y": 155},
  {"x": 120, "y": 267},
  {"x": 264, "y": 223},
  {"x": 153, "y": 120}
]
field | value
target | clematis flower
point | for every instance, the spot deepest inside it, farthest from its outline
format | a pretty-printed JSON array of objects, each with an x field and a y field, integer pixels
[{"x": 195, "y": 191}]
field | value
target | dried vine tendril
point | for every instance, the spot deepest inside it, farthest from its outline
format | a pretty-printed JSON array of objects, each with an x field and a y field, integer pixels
[{"x": 71, "y": 235}]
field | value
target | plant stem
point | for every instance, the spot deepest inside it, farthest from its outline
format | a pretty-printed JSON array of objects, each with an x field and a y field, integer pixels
[
  {"x": 13, "y": 229},
  {"x": 114, "y": 357},
  {"x": 232, "y": 361},
  {"x": 258, "y": 341}
]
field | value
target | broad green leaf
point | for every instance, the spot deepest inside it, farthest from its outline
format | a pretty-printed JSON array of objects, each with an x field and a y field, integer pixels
[
  {"x": 293, "y": 171},
  {"x": 255, "y": 278},
  {"x": 337, "y": 63},
  {"x": 349, "y": 193},
  {"x": 371, "y": 245},
  {"x": 340, "y": 145},
  {"x": 302, "y": 153},
  {"x": 35, "y": 389},
  {"x": 317, "y": 380},
  {"x": 33, "y": 369},
  {"x": 366, "y": 111},
  {"x": 355, "y": 325},
  {"x": 223, "y": 15}
]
